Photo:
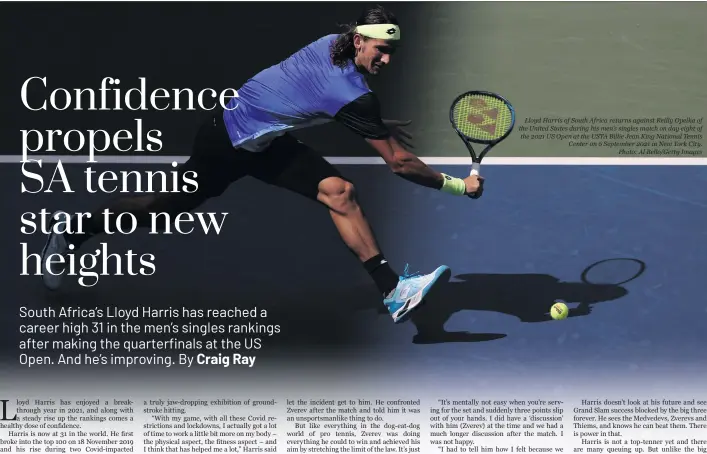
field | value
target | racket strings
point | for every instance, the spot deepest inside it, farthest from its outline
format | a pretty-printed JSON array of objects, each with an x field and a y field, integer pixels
[{"x": 482, "y": 117}]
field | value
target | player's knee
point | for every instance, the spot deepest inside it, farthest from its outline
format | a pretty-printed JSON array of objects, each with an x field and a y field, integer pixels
[
  {"x": 140, "y": 203},
  {"x": 158, "y": 208},
  {"x": 139, "y": 206},
  {"x": 338, "y": 194},
  {"x": 174, "y": 203}
]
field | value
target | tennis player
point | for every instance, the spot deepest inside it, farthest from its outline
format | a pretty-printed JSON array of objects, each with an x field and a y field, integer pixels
[{"x": 324, "y": 81}]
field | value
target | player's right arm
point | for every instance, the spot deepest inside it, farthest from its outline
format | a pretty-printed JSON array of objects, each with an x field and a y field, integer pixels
[{"x": 363, "y": 117}]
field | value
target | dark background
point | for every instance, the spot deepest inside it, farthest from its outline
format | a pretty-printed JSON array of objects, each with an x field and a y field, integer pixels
[
  {"x": 550, "y": 59},
  {"x": 176, "y": 45}
]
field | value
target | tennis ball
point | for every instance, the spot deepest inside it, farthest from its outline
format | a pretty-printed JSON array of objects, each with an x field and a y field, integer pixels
[{"x": 559, "y": 310}]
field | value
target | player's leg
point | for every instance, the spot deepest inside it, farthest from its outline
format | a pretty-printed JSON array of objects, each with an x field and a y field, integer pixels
[
  {"x": 402, "y": 294},
  {"x": 214, "y": 164},
  {"x": 290, "y": 164},
  {"x": 339, "y": 196}
]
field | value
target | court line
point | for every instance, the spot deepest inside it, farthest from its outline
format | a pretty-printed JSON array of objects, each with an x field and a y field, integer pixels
[{"x": 350, "y": 160}]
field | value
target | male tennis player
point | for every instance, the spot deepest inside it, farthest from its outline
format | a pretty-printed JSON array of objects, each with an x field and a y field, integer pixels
[{"x": 325, "y": 81}]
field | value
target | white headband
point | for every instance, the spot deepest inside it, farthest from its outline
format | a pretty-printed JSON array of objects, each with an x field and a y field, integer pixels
[{"x": 380, "y": 31}]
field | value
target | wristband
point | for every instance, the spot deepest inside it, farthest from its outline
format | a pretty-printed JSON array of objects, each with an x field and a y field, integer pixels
[{"x": 454, "y": 186}]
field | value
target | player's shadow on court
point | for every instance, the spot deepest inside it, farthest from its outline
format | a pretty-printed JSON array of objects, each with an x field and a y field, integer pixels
[
  {"x": 525, "y": 296},
  {"x": 317, "y": 316}
]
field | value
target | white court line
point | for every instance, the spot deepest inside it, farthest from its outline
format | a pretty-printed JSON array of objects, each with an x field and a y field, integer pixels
[{"x": 344, "y": 160}]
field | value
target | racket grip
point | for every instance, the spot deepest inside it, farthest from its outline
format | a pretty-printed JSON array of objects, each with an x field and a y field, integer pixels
[{"x": 475, "y": 167}]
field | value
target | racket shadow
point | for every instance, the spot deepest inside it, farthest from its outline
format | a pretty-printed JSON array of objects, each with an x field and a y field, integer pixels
[{"x": 527, "y": 297}]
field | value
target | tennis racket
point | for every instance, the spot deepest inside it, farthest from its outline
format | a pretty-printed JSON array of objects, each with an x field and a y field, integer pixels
[{"x": 481, "y": 117}]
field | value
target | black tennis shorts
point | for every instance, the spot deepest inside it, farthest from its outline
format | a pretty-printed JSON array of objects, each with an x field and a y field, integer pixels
[{"x": 286, "y": 163}]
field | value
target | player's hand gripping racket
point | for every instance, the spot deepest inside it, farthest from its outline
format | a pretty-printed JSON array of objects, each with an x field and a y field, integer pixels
[{"x": 481, "y": 117}]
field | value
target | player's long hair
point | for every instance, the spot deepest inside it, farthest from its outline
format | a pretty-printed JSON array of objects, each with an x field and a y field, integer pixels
[{"x": 343, "y": 50}]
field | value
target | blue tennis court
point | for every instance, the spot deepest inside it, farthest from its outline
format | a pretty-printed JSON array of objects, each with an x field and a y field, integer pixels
[{"x": 524, "y": 244}]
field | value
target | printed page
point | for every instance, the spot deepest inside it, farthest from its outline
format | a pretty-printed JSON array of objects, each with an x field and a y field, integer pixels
[{"x": 338, "y": 227}]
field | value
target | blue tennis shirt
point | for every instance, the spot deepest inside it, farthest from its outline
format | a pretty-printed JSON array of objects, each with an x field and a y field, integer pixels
[{"x": 304, "y": 90}]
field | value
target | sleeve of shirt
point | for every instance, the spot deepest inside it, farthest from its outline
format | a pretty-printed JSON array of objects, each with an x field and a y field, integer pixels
[{"x": 363, "y": 116}]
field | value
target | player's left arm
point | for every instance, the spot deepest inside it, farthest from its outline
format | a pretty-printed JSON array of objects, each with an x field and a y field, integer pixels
[
  {"x": 363, "y": 117},
  {"x": 401, "y": 134}
]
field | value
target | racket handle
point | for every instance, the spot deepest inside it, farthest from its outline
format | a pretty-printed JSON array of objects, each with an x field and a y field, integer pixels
[{"x": 475, "y": 167}]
